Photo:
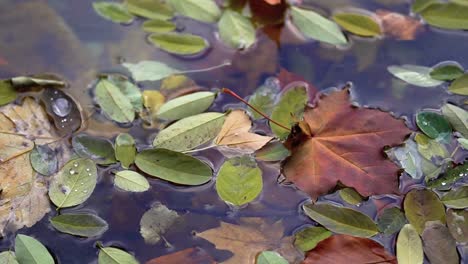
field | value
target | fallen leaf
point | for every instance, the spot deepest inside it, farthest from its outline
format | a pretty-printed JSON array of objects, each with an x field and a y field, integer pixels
[
  {"x": 194, "y": 255},
  {"x": 399, "y": 26},
  {"x": 457, "y": 222},
  {"x": 112, "y": 255},
  {"x": 30, "y": 250},
  {"x": 155, "y": 222},
  {"x": 273, "y": 2},
  {"x": 339, "y": 142},
  {"x": 391, "y": 220},
  {"x": 409, "y": 247},
  {"x": 83, "y": 225},
  {"x": 344, "y": 249},
  {"x": 423, "y": 206},
  {"x": 309, "y": 237},
  {"x": 439, "y": 245}
]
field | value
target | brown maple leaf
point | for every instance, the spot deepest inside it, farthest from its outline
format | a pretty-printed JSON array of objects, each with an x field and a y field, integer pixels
[
  {"x": 344, "y": 249},
  {"x": 399, "y": 26},
  {"x": 187, "y": 256},
  {"x": 339, "y": 142}
]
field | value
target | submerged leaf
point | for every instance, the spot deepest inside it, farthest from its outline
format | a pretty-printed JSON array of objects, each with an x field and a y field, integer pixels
[
  {"x": 155, "y": 222},
  {"x": 358, "y": 24},
  {"x": 112, "y": 11},
  {"x": 100, "y": 150},
  {"x": 456, "y": 198},
  {"x": 112, "y": 255},
  {"x": 125, "y": 150},
  {"x": 84, "y": 225},
  {"x": 309, "y": 237},
  {"x": 439, "y": 245},
  {"x": 273, "y": 151},
  {"x": 391, "y": 221},
  {"x": 457, "y": 222},
  {"x": 458, "y": 118},
  {"x": 289, "y": 110},
  {"x": 178, "y": 43},
  {"x": 44, "y": 160},
  {"x": 203, "y": 10},
  {"x": 414, "y": 74},
  {"x": 270, "y": 257},
  {"x": 129, "y": 90},
  {"x": 460, "y": 85},
  {"x": 185, "y": 106},
  {"x": 152, "y": 9},
  {"x": 114, "y": 102},
  {"x": 409, "y": 246},
  {"x": 236, "y": 30},
  {"x": 409, "y": 159},
  {"x": 131, "y": 181},
  {"x": 422, "y": 206},
  {"x": 149, "y": 70},
  {"x": 30, "y": 251},
  {"x": 264, "y": 98}
]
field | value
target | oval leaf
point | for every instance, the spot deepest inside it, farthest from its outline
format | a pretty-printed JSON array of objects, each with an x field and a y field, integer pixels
[
  {"x": 129, "y": 90},
  {"x": 391, "y": 221},
  {"x": 457, "y": 222},
  {"x": 113, "y": 102},
  {"x": 155, "y": 222},
  {"x": 8, "y": 257},
  {"x": 446, "y": 15},
  {"x": 84, "y": 225},
  {"x": 409, "y": 246},
  {"x": 100, "y": 150},
  {"x": 456, "y": 198},
  {"x": 433, "y": 125},
  {"x": 439, "y": 245},
  {"x": 114, "y": 12},
  {"x": 125, "y": 150},
  {"x": 414, "y": 74},
  {"x": 351, "y": 196},
  {"x": 236, "y": 30},
  {"x": 131, "y": 181},
  {"x": 358, "y": 24},
  {"x": 270, "y": 257},
  {"x": 44, "y": 160},
  {"x": 180, "y": 44},
  {"x": 149, "y": 70},
  {"x": 460, "y": 85},
  {"x": 203, "y": 10},
  {"x": 309, "y": 237},
  {"x": 451, "y": 176},
  {"x": 152, "y": 9},
  {"x": 111, "y": 255},
  {"x": 158, "y": 26},
  {"x": 288, "y": 110},
  {"x": 187, "y": 105},
  {"x": 30, "y": 251},
  {"x": 422, "y": 206},
  {"x": 446, "y": 71},
  {"x": 458, "y": 118}
]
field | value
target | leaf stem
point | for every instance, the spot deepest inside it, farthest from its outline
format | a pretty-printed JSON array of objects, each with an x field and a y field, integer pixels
[
  {"x": 199, "y": 149},
  {"x": 226, "y": 63}
]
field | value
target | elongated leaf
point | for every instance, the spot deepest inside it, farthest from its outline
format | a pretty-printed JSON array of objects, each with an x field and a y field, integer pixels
[
  {"x": 289, "y": 109},
  {"x": 74, "y": 183},
  {"x": 158, "y": 26},
  {"x": 273, "y": 151},
  {"x": 457, "y": 222},
  {"x": 131, "y": 181},
  {"x": 236, "y": 30},
  {"x": 420, "y": 5},
  {"x": 458, "y": 118},
  {"x": 113, "y": 102},
  {"x": 446, "y": 71},
  {"x": 173, "y": 166},
  {"x": 315, "y": 26},
  {"x": 391, "y": 221},
  {"x": 460, "y": 85},
  {"x": 149, "y": 70},
  {"x": 112, "y": 255},
  {"x": 30, "y": 251},
  {"x": 358, "y": 24},
  {"x": 186, "y": 105},
  {"x": 351, "y": 196},
  {"x": 44, "y": 160},
  {"x": 190, "y": 132},
  {"x": 341, "y": 220},
  {"x": 270, "y": 257},
  {"x": 7, "y": 93},
  {"x": 309, "y": 237},
  {"x": 451, "y": 176},
  {"x": 155, "y": 222},
  {"x": 42, "y": 80},
  {"x": 433, "y": 125},
  {"x": 414, "y": 74},
  {"x": 112, "y": 11},
  {"x": 180, "y": 44},
  {"x": 8, "y": 257},
  {"x": 409, "y": 246},
  {"x": 422, "y": 206},
  {"x": 449, "y": 15},
  {"x": 125, "y": 150},
  {"x": 100, "y": 150},
  {"x": 239, "y": 181},
  {"x": 456, "y": 198},
  {"x": 84, "y": 225},
  {"x": 439, "y": 245},
  {"x": 203, "y": 10},
  {"x": 129, "y": 90},
  {"x": 153, "y": 9}
]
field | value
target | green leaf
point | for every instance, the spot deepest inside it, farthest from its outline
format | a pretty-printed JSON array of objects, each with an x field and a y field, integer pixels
[
  {"x": 7, "y": 93},
  {"x": 420, "y": 5},
  {"x": 422, "y": 206},
  {"x": 113, "y": 102},
  {"x": 289, "y": 109},
  {"x": 358, "y": 24},
  {"x": 430, "y": 148},
  {"x": 315, "y": 26},
  {"x": 74, "y": 183},
  {"x": 44, "y": 160},
  {"x": 8, "y": 257},
  {"x": 351, "y": 196},
  {"x": 458, "y": 118},
  {"x": 308, "y": 238},
  {"x": 236, "y": 30},
  {"x": 112, "y": 255},
  {"x": 152, "y": 9},
  {"x": 449, "y": 15},
  {"x": 391, "y": 220},
  {"x": 100, "y": 150},
  {"x": 131, "y": 181},
  {"x": 150, "y": 70},
  {"x": 409, "y": 246},
  {"x": 446, "y": 71},
  {"x": 457, "y": 222},
  {"x": 42, "y": 80},
  {"x": 341, "y": 220},
  {"x": 158, "y": 26},
  {"x": 112, "y": 11},
  {"x": 83, "y": 225},
  {"x": 190, "y": 132},
  {"x": 264, "y": 100},
  {"x": 433, "y": 125},
  {"x": 129, "y": 90},
  {"x": 125, "y": 150},
  {"x": 409, "y": 158},
  {"x": 414, "y": 74},
  {"x": 239, "y": 181},
  {"x": 439, "y": 245},
  {"x": 450, "y": 177},
  {"x": 270, "y": 257},
  {"x": 273, "y": 151},
  {"x": 178, "y": 43},
  {"x": 30, "y": 251},
  {"x": 456, "y": 198},
  {"x": 155, "y": 222},
  {"x": 203, "y": 10},
  {"x": 463, "y": 142},
  {"x": 173, "y": 166},
  {"x": 460, "y": 85},
  {"x": 187, "y": 105}
]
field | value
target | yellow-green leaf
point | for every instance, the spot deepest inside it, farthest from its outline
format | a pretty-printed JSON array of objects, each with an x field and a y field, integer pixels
[
  {"x": 358, "y": 24},
  {"x": 409, "y": 246},
  {"x": 180, "y": 44}
]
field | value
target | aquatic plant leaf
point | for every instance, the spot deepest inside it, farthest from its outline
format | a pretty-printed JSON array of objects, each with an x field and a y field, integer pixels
[
  {"x": 446, "y": 71},
  {"x": 44, "y": 160},
  {"x": 112, "y": 11},
  {"x": 273, "y": 151},
  {"x": 30, "y": 251},
  {"x": 81, "y": 224},
  {"x": 289, "y": 110},
  {"x": 236, "y": 30},
  {"x": 152, "y": 9},
  {"x": 430, "y": 148},
  {"x": 190, "y": 132},
  {"x": 270, "y": 257},
  {"x": 100, "y": 150},
  {"x": 408, "y": 158},
  {"x": 422, "y": 206},
  {"x": 460, "y": 85},
  {"x": 264, "y": 100},
  {"x": 446, "y": 15},
  {"x": 341, "y": 220},
  {"x": 308, "y": 238},
  {"x": 391, "y": 221},
  {"x": 433, "y": 125},
  {"x": 358, "y": 24},
  {"x": 74, "y": 183},
  {"x": 113, "y": 102},
  {"x": 239, "y": 181},
  {"x": 420, "y": 5},
  {"x": 463, "y": 142},
  {"x": 43, "y": 80},
  {"x": 414, "y": 74},
  {"x": 125, "y": 150},
  {"x": 409, "y": 248},
  {"x": 315, "y": 26},
  {"x": 129, "y": 90},
  {"x": 155, "y": 222},
  {"x": 131, "y": 181},
  {"x": 339, "y": 142},
  {"x": 186, "y": 105},
  {"x": 173, "y": 166},
  {"x": 112, "y": 255},
  {"x": 149, "y": 70},
  {"x": 203, "y": 10},
  {"x": 178, "y": 43},
  {"x": 193, "y": 255},
  {"x": 439, "y": 245},
  {"x": 350, "y": 195},
  {"x": 7, "y": 93},
  {"x": 457, "y": 222},
  {"x": 8, "y": 257},
  {"x": 344, "y": 248},
  {"x": 158, "y": 26},
  {"x": 451, "y": 176},
  {"x": 458, "y": 118},
  {"x": 456, "y": 198}
]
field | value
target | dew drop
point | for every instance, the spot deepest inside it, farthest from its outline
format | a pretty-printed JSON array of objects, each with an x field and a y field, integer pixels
[
  {"x": 444, "y": 183},
  {"x": 85, "y": 191},
  {"x": 76, "y": 190},
  {"x": 72, "y": 171},
  {"x": 89, "y": 174},
  {"x": 88, "y": 169},
  {"x": 61, "y": 107},
  {"x": 76, "y": 164}
]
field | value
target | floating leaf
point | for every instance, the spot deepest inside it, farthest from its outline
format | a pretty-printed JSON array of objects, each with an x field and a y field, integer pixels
[
  {"x": 112, "y": 255},
  {"x": 315, "y": 26},
  {"x": 456, "y": 198},
  {"x": 422, "y": 206},
  {"x": 391, "y": 221},
  {"x": 273, "y": 151},
  {"x": 358, "y": 24},
  {"x": 350, "y": 196},
  {"x": 177, "y": 43},
  {"x": 409, "y": 159},
  {"x": 7, "y": 93},
  {"x": 152, "y": 9},
  {"x": 341, "y": 220},
  {"x": 236, "y": 30},
  {"x": 446, "y": 71},
  {"x": 430, "y": 148},
  {"x": 458, "y": 118},
  {"x": 100, "y": 150},
  {"x": 289, "y": 110},
  {"x": 114, "y": 12},
  {"x": 84, "y": 225},
  {"x": 173, "y": 166},
  {"x": 433, "y": 125},
  {"x": 460, "y": 85},
  {"x": 113, "y": 102},
  {"x": 8, "y": 257},
  {"x": 270, "y": 257},
  {"x": 43, "y": 80},
  {"x": 446, "y": 15},
  {"x": 149, "y": 70},
  {"x": 239, "y": 181},
  {"x": 409, "y": 246},
  {"x": 129, "y": 90},
  {"x": 420, "y": 5},
  {"x": 308, "y": 238},
  {"x": 158, "y": 26},
  {"x": 131, "y": 181},
  {"x": 44, "y": 160},
  {"x": 125, "y": 150},
  {"x": 190, "y": 132},
  {"x": 414, "y": 74},
  {"x": 74, "y": 183},
  {"x": 203, "y": 10},
  {"x": 30, "y": 251},
  {"x": 155, "y": 222},
  {"x": 193, "y": 255},
  {"x": 463, "y": 143},
  {"x": 187, "y": 105},
  {"x": 439, "y": 245},
  {"x": 451, "y": 176},
  {"x": 457, "y": 222}
]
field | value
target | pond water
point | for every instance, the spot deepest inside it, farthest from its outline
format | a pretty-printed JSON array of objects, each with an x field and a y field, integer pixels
[{"x": 69, "y": 39}]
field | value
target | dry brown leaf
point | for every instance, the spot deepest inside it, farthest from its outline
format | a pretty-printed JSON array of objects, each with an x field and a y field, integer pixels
[
  {"x": 235, "y": 133},
  {"x": 187, "y": 256},
  {"x": 398, "y": 26}
]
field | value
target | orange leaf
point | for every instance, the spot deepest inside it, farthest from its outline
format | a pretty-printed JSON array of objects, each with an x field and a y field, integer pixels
[
  {"x": 273, "y": 2},
  {"x": 399, "y": 26},
  {"x": 344, "y": 249},
  {"x": 338, "y": 142},
  {"x": 187, "y": 256}
]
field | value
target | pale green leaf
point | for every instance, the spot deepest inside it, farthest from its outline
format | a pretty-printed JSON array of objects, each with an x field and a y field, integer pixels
[
  {"x": 391, "y": 221},
  {"x": 422, "y": 206},
  {"x": 125, "y": 150},
  {"x": 289, "y": 110},
  {"x": 458, "y": 118},
  {"x": 152, "y": 9},
  {"x": 158, "y": 26},
  {"x": 270, "y": 257},
  {"x": 131, "y": 181},
  {"x": 129, "y": 90},
  {"x": 457, "y": 222},
  {"x": 273, "y": 151},
  {"x": 155, "y": 222},
  {"x": 113, "y": 102},
  {"x": 7, "y": 93},
  {"x": 409, "y": 246},
  {"x": 460, "y": 85},
  {"x": 447, "y": 71},
  {"x": 149, "y": 70},
  {"x": 430, "y": 148},
  {"x": 187, "y": 105},
  {"x": 446, "y": 15},
  {"x": 308, "y": 238},
  {"x": 409, "y": 158},
  {"x": 358, "y": 24},
  {"x": 456, "y": 198},
  {"x": 44, "y": 160},
  {"x": 112, "y": 11},
  {"x": 414, "y": 74},
  {"x": 463, "y": 143},
  {"x": 420, "y": 5},
  {"x": 81, "y": 224},
  {"x": 112, "y": 255},
  {"x": 178, "y": 43},
  {"x": 100, "y": 150},
  {"x": 236, "y": 30},
  {"x": 203, "y": 10},
  {"x": 8, "y": 257},
  {"x": 30, "y": 251}
]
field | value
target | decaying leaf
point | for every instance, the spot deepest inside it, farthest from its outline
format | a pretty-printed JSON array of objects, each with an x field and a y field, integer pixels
[
  {"x": 155, "y": 222},
  {"x": 439, "y": 245},
  {"x": 399, "y": 26},
  {"x": 190, "y": 255}
]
